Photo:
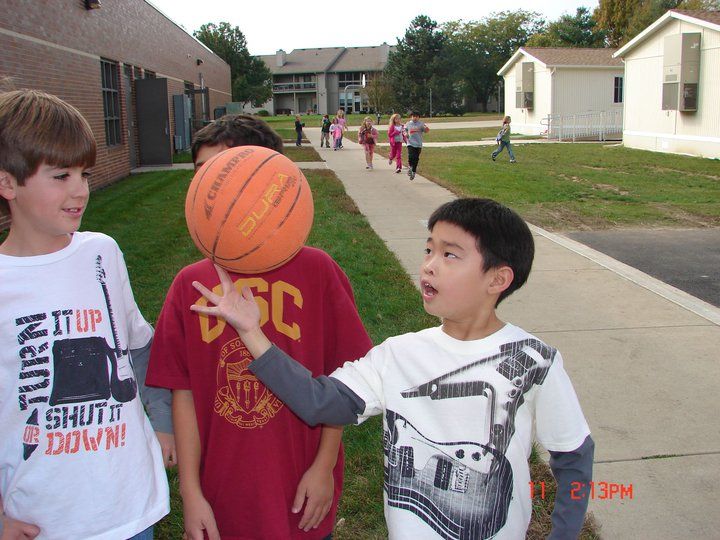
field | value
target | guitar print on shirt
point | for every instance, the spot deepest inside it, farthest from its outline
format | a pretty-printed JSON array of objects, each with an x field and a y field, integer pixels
[
  {"x": 87, "y": 376},
  {"x": 463, "y": 489}
]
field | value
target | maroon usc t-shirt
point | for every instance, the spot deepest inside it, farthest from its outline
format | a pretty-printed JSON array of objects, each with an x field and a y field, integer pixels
[{"x": 254, "y": 449}]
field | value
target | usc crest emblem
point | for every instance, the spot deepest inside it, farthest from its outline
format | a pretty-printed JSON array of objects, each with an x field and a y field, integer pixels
[{"x": 241, "y": 398}]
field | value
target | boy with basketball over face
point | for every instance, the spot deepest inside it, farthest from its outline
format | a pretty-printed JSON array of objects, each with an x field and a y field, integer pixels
[
  {"x": 288, "y": 482},
  {"x": 461, "y": 402},
  {"x": 78, "y": 457}
]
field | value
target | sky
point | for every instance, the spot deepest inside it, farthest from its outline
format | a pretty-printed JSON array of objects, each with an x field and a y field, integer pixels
[{"x": 304, "y": 24}]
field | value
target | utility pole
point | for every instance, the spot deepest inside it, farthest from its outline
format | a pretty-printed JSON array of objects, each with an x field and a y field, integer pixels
[{"x": 430, "y": 102}]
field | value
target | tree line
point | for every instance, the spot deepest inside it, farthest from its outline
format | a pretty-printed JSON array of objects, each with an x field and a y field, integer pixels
[{"x": 438, "y": 68}]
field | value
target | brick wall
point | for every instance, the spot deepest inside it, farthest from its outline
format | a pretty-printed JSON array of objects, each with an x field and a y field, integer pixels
[{"x": 57, "y": 46}]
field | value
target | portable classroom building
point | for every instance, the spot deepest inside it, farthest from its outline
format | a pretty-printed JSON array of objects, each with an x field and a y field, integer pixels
[{"x": 672, "y": 80}]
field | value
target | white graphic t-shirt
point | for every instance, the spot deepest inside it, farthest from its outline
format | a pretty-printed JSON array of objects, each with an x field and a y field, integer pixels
[
  {"x": 459, "y": 419},
  {"x": 78, "y": 456}
]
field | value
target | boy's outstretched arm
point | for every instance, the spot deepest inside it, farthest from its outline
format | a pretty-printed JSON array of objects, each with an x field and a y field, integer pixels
[
  {"x": 572, "y": 472},
  {"x": 321, "y": 400}
]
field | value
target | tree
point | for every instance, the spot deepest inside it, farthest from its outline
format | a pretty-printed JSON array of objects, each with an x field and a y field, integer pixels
[
  {"x": 255, "y": 86},
  {"x": 580, "y": 30},
  {"x": 705, "y": 5},
  {"x": 421, "y": 69},
  {"x": 379, "y": 93},
  {"x": 481, "y": 48},
  {"x": 251, "y": 78},
  {"x": 613, "y": 17},
  {"x": 622, "y": 20},
  {"x": 647, "y": 13}
]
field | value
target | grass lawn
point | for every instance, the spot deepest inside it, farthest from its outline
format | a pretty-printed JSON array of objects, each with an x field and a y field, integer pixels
[
  {"x": 355, "y": 119},
  {"x": 584, "y": 186},
  {"x": 450, "y": 135}
]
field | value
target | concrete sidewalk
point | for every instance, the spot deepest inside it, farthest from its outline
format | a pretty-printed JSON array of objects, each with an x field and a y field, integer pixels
[{"x": 642, "y": 355}]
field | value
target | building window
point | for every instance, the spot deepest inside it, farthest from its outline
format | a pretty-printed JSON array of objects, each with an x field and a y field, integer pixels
[
  {"x": 111, "y": 101},
  {"x": 618, "y": 91},
  {"x": 345, "y": 79}
]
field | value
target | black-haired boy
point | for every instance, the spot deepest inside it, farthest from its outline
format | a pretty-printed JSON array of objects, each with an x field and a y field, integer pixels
[{"x": 461, "y": 402}]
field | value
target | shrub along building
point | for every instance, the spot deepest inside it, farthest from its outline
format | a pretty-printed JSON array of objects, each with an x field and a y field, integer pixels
[
  {"x": 142, "y": 81},
  {"x": 322, "y": 80}
]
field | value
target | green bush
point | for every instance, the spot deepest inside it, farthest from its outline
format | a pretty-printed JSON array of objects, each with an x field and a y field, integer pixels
[{"x": 263, "y": 112}]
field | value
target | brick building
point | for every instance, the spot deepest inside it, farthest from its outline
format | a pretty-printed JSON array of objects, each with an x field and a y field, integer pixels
[{"x": 123, "y": 64}]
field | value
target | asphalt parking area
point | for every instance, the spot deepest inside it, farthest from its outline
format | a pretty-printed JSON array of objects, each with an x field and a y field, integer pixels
[{"x": 688, "y": 259}]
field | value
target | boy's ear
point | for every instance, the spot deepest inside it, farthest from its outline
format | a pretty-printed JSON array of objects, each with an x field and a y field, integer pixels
[
  {"x": 503, "y": 277},
  {"x": 7, "y": 185}
]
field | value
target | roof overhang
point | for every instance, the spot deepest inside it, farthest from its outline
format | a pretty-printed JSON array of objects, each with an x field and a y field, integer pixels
[
  {"x": 503, "y": 70},
  {"x": 662, "y": 21}
]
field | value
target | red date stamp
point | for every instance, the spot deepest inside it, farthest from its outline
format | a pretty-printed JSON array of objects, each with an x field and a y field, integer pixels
[{"x": 588, "y": 490}]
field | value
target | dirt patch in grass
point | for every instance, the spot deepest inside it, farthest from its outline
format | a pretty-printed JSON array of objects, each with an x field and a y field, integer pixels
[
  {"x": 678, "y": 171},
  {"x": 575, "y": 179},
  {"x": 680, "y": 218},
  {"x": 561, "y": 218},
  {"x": 610, "y": 188}
]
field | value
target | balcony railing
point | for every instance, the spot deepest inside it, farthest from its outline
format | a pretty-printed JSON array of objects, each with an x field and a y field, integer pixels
[{"x": 294, "y": 86}]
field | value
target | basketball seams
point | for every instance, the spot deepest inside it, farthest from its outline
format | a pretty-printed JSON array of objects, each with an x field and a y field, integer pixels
[
  {"x": 235, "y": 200},
  {"x": 276, "y": 230},
  {"x": 197, "y": 182}
]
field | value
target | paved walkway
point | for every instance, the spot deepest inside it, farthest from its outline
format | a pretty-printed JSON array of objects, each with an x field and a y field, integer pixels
[{"x": 642, "y": 355}]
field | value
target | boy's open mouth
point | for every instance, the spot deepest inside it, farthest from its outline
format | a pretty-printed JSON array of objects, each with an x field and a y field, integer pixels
[{"x": 427, "y": 289}]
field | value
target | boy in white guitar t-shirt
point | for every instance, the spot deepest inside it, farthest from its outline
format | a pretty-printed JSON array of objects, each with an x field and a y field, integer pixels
[{"x": 460, "y": 402}]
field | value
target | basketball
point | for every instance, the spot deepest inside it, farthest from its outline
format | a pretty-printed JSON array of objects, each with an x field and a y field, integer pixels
[{"x": 249, "y": 209}]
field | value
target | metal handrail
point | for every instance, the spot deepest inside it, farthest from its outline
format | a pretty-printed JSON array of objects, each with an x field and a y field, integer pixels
[{"x": 588, "y": 125}]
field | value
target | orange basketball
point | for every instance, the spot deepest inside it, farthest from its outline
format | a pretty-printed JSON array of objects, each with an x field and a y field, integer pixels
[{"x": 249, "y": 209}]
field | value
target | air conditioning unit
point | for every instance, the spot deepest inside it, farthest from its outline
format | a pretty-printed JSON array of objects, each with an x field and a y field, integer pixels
[
  {"x": 524, "y": 85},
  {"x": 681, "y": 72},
  {"x": 524, "y": 100}
]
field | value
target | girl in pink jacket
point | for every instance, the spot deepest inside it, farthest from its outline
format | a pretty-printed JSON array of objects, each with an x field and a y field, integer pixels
[
  {"x": 367, "y": 136},
  {"x": 396, "y": 135}
]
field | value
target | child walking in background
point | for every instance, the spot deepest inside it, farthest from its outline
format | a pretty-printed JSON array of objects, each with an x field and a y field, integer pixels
[
  {"x": 298, "y": 129},
  {"x": 343, "y": 125},
  {"x": 325, "y": 131},
  {"x": 336, "y": 132},
  {"x": 396, "y": 136},
  {"x": 415, "y": 130},
  {"x": 367, "y": 136},
  {"x": 78, "y": 458},
  {"x": 503, "y": 140}
]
